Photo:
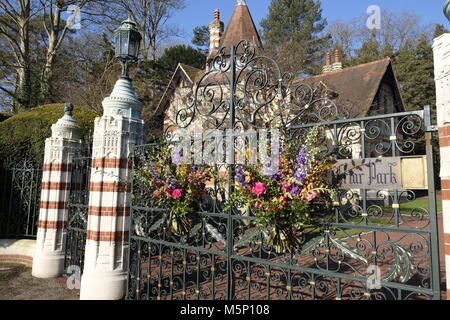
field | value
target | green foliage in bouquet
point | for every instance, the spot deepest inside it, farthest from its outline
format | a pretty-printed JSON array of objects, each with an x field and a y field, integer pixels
[
  {"x": 175, "y": 186},
  {"x": 286, "y": 203}
]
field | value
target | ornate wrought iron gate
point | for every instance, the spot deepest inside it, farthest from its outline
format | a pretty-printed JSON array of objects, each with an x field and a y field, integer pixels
[
  {"x": 383, "y": 234},
  {"x": 20, "y": 191},
  {"x": 78, "y": 213}
]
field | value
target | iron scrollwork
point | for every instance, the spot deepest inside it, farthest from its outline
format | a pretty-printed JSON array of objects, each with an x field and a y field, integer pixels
[
  {"x": 243, "y": 88},
  {"x": 226, "y": 257}
]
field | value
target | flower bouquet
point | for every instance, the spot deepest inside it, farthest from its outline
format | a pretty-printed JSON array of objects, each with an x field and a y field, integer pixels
[
  {"x": 177, "y": 187},
  {"x": 284, "y": 203}
]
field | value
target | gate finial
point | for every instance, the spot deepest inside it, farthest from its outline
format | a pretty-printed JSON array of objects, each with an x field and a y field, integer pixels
[{"x": 68, "y": 108}]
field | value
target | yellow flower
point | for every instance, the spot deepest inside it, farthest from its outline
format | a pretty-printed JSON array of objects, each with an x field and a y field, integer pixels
[
  {"x": 248, "y": 178},
  {"x": 183, "y": 170},
  {"x": 247, "y": 154}
]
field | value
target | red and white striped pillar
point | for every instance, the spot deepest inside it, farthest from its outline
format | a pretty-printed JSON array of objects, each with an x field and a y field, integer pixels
[
  {"x": 106, "y": 256},
  {"x": 441, "y": 49},
  {"x": 48, "y": 260}
]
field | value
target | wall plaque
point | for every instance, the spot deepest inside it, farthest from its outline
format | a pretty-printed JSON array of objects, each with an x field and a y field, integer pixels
[{"x": 383, "y": 173}]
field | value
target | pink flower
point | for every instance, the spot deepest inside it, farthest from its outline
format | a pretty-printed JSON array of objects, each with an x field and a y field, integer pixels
[
  {"x": 286, "y": 186},
  {"x": 176, "y": 194},
  {"x": 156, "y": 194},
  {"x": 168, "y": 193},
  {"x": 257, "y": 205},
  {"x": 310, "y": 197},
  {"x": 259, "y": 189}
]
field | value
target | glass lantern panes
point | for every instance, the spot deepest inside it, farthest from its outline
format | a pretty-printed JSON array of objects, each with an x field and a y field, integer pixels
[{"x": 127, "y": 39}]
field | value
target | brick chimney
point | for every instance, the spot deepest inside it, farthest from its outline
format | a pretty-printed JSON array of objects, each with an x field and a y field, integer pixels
[
  {"x": 327, "y": 67},
  {"x": 216, "y": 28},
  {"x": 337, "y": 65}
]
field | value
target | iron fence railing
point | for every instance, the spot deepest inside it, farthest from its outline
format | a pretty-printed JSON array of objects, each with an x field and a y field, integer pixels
[
  {"x": 366, "y": 231},
  {"x": 20, "y": 189}
]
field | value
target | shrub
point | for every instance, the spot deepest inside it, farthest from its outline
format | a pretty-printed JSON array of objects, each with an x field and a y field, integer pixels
[
  {"x": 23, "y": 135},
  {"x": 4, "y": 116}
]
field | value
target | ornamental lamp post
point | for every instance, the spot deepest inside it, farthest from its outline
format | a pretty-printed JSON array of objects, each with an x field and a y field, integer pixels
[
  {"x": 116, "y": 133},
  {"x": 128, "y": 42},
  {"x": 447, "y": 9}
]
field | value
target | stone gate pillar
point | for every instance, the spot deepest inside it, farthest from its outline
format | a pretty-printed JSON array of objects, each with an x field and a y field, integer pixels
[
  {"x": 48, "y": 260},
  {"x": 441, "y": 49},
  {"x": 115, "y": 134}
]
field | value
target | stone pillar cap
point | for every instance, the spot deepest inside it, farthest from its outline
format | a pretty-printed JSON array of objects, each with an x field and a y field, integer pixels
[
  {"x": 123, "y": 100},
  {"x": 67, "y": 126}
]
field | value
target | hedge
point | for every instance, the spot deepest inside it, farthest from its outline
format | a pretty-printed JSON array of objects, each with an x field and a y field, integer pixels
[
  {"x": 23, "y": 135},
  {"x": 4, "y": 116}
]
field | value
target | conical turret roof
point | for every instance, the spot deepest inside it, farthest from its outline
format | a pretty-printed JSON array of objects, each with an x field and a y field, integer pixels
[{"x": 241, "y": 27}]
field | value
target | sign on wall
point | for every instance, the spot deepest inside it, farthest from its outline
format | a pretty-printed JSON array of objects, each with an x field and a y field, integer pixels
[{"x": 383, "y": 173}]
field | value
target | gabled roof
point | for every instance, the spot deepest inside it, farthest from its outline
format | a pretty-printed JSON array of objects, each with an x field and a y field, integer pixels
[
  {"x": 356, "y": 87},
  {"x": 241, "y": 27},
  {"x": 183, "y": 71}
]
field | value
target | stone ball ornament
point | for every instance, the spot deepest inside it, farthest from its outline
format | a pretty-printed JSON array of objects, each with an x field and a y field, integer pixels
[{"x": 67, "y": 126}]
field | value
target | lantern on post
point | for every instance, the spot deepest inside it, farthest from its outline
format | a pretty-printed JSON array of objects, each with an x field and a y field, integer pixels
[
  {"x": 128, "y": 42},
  {"x": 447, "y": 9}
]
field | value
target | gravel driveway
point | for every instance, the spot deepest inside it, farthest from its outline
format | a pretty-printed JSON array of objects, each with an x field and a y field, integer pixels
[{"x": 16, "y": 283}]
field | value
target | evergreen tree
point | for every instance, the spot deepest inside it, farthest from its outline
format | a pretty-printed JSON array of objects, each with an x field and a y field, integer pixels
[
  {"x": 201, "y": 38},
  {"x": 182, "y": 54},
  {"x": 292, "y": 32},
  {"x": 369, "y": 51},
  {"x": 415, "y": 73},
  {"x": 439, "y": 30}
]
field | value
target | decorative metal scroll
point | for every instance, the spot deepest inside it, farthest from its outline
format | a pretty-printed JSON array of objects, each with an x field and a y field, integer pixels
[
  {"x": 242, "y": 88},
  {"x": 20, "y": 191},
  {"x": 78, "y": 214},
  {"x": 226, "y": 256}
]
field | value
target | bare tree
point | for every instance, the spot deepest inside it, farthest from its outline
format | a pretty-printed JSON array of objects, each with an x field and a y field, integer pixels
[
  {"x": 95, "y": 71},
  {"x": 344, "y": 35},
  {"x": 15, "y": 34},
  {"x": 151, "y": 17},
  {"x": 56, "y": 30},
  {"x": 398, "y": 29}
]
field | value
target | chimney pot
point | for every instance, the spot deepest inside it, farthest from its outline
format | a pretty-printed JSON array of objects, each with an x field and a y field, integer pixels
[
  {"x": 328, "y": 59},
  {"x": 337, "y": 65},
  {"x": 327, "y": 67},
  {"x": 337, "y": 56}
]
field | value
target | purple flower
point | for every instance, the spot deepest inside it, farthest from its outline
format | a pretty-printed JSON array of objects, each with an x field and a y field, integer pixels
[
  {"x": 300, "y": 175},
  {"x": 151, "y": 169},
  {"x": 240, "y": 176},
  {"x": 172, "y": 184},
  {"x": 301, "y": 158},
  {"x": 177, "y": 157},
  {"x": 295, "y": 190},
  {"x": 301, "y": 166}
]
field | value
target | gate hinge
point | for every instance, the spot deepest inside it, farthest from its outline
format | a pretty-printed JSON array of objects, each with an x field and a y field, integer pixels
[{"x": 431, "y": 128}]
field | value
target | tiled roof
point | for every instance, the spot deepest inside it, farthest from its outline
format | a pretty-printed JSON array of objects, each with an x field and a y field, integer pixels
[
  {"x": 241, "y": 27},
  {"x": 356, "y": 87}
]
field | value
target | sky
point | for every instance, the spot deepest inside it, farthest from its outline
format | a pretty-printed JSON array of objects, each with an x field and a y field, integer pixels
[{"x": 200, "y": 12}]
